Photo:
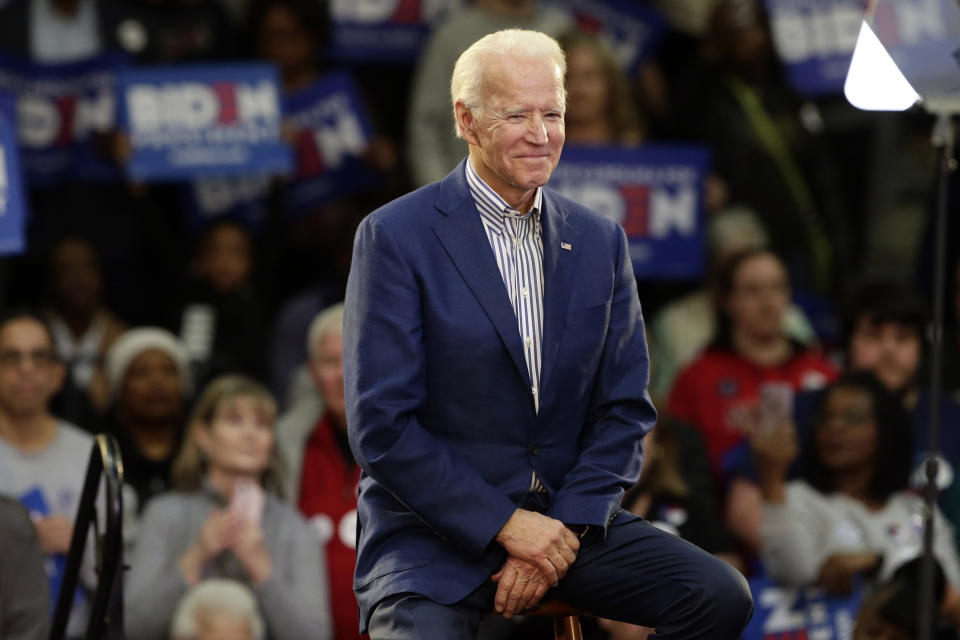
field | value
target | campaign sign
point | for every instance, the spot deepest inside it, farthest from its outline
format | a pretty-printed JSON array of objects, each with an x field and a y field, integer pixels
[
  {"x": 391, "y": 31},
  {"x": 54, "y": 564},
  {"x": 655, "y": 192},
  {"x": 243, "y": 199},
  {"x": 193, "y": 121},
  {"x": 921, "y": 37},
  {"x": 332, "y": 131},
  {"x": 815, "y": 41},
  {"x": 631, "y": 29},
  {"x": 64, "y": 113},
  {"x": 781, "y": 613},
  {"x": 13, "y": 211}
]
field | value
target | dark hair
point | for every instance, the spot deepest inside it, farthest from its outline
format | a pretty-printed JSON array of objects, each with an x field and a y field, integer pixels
[
  {"x": 25, "y": 313},
  {"x": 894, "y": 455},
  {"x": 313, "y": 17},
  {"x": 726, "y": 276},
  {"x": 206, "y": 234},
  {"x": 621, "y": 114},
  {"x": 883, "y": 301}
]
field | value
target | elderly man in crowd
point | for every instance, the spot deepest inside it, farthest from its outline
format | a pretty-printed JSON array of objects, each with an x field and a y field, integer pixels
[
  {"x": 323, "y": 475},
  {"x": 495, "y": 369}
]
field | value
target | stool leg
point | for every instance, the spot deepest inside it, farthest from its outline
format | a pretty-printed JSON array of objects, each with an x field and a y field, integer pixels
[{"x": 567, "y": 628}]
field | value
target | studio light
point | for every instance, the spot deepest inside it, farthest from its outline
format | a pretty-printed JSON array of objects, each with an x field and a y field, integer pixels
[{"x": 874, "y": 81}]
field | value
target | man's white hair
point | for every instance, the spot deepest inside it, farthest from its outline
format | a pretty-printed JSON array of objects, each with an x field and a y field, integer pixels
[
  {"x": 327, "y": 322},
  {"x": 467, "y": 82},
  {"x": 218, "y": 596}
]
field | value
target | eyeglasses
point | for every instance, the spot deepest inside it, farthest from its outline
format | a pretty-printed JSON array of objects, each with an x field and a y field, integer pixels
[{"x": 39, "y": 358}]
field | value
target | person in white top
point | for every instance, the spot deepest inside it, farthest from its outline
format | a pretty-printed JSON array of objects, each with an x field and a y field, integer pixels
[{"x": 852, "y": 514}]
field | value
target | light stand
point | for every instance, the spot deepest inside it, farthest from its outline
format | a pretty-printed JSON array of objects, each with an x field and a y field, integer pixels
[
  {"x": 877, "y": 81},
  {"x": 942, "y": 139}
]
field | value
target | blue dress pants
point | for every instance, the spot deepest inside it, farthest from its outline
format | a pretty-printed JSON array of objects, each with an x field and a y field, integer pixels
[{"x": 637, "y": 574}]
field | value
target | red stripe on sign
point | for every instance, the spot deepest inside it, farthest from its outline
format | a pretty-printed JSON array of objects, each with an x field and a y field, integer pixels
[{"x": 226, "y": 95}]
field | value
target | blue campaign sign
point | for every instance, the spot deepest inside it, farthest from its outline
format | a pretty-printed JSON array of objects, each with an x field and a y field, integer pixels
[
  {"x": 243, "y": 199},
  {"x": 655, "y": 192},
  {"x": 815, "y": 41},
  {"x": 186, "y": 122},
  {"x": 631, "y": 29},
  {"x": 333, "y": 130},
  {"x": 391, "y": 31},
  {"x": 921, "y": 37},
  {"x": 64, "y": 114},
  {"x": 36, "y": 504},
  {"x": 781, "y": 613},
  {"x": 13, "y": 204}
]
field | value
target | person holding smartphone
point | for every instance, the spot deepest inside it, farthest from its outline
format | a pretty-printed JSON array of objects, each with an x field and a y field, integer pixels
[
  {"x": 226, "y": 520},
  {"x": 851, "y": 515}
]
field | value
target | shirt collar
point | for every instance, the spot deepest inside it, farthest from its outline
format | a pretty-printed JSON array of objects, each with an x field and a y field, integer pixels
[{"x": 487, "y": 199}]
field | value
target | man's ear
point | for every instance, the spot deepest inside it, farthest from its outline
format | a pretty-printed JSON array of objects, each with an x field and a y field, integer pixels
[{"x": 466, "y": 123}]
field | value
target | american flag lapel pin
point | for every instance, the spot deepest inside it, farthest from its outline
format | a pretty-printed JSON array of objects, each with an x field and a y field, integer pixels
[{"x": 566, "y": 245}]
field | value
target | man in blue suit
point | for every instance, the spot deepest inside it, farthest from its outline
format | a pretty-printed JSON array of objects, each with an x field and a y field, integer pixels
[{"x": 496, "y": 371}]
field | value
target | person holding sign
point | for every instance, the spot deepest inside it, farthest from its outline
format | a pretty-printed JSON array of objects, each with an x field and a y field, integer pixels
[{"x": 495, "y": 372}]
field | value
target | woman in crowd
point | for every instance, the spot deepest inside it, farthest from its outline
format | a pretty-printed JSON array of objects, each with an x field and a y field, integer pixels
[
  {"x": 148, "y": 375},
  {"x": 852, "y": 514},
  {"x": 226, "y": 520},
  {"x": 292, "y": 35},
  {"x": 750, "y": 349},
  {"x": 600, "y": 109},
  {"x": 83, "y": 328},
  {"x": 222, "y": 317}
]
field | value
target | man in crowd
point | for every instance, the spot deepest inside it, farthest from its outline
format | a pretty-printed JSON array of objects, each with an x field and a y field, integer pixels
[
  {"x": 495, "y": 369},
  {"x": 323, "y": 475},
  {"x": 43, "y": 459}
]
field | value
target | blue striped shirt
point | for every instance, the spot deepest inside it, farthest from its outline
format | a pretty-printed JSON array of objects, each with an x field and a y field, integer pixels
[{"x": 517, "y": 245}]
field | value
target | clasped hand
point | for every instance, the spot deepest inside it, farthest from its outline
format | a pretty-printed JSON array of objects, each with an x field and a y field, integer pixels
[
  {"x": 541, "y": 551},
  {"x": 224, "y": 530}
]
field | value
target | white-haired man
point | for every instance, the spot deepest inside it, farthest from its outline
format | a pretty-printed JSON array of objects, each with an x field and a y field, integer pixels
[
  {"x": 323, "y": 476},
  {"x": 216, "y": 609},
  {"x": 495, "y": 369}
]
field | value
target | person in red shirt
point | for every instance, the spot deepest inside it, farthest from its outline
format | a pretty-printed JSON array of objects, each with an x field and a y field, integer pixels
[
  {"x": 716, "y": 392},
  {"x": 313, "y": 436}
]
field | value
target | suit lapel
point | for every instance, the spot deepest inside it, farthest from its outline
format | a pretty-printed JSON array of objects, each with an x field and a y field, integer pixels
[
  {"x": 560, "y": 255},
  {"x": 461, "y": 233}
]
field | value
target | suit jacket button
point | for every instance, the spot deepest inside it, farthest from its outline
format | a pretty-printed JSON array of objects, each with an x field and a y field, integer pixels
[{"x": 534, "y": 449}]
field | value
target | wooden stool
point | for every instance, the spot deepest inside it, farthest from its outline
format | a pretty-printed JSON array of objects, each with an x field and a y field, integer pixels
[{"x": 566, "y": 619}]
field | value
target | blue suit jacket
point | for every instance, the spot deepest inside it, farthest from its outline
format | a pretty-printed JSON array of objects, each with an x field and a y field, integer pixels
[{"x": 439, "y": 404}]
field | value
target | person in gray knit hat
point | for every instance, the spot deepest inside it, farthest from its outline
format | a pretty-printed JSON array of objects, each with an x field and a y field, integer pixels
[{"x": 149, "y": 380}]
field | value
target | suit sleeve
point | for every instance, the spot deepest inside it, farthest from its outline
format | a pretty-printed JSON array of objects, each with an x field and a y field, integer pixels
[
  {"x": 619, "y": 416},
  {"x": 385, "y": 385}
]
